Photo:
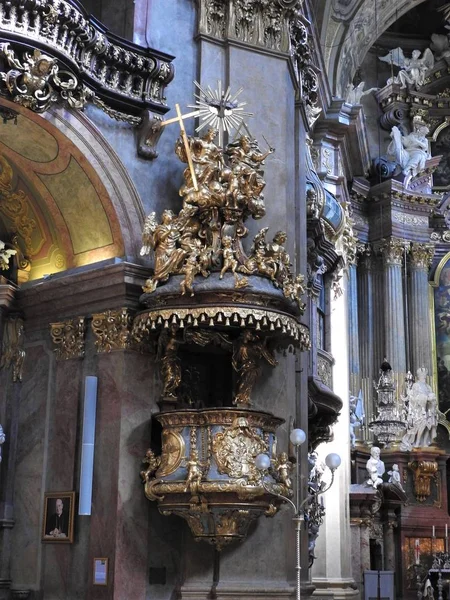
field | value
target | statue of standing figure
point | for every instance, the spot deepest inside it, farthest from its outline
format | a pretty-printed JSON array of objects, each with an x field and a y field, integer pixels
[{"x": 422, "y": 414}]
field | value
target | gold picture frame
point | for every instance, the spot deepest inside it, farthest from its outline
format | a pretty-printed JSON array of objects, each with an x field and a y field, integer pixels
[
  {"x": 59, "y": 510},
  {"x": 100, "y": 571}
]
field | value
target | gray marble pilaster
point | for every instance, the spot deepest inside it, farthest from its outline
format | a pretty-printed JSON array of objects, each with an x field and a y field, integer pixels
[
  {"x": 354, "y": 348},
  {"x": 366, "y": 274},
  {"x": 419, "y": 307}
]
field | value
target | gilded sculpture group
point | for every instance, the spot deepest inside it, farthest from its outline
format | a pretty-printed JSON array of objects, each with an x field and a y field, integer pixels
[{"x": 221, "y": 189}]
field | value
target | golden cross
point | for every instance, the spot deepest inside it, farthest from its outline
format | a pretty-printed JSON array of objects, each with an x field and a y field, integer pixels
[{"x": 179, "y": 118}]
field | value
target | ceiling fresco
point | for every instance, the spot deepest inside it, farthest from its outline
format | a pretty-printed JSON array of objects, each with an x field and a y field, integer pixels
[{"x": 52, "y": 199}]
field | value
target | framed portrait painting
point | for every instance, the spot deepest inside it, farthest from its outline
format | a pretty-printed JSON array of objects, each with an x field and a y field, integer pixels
[{"x": 59, "y": 509}]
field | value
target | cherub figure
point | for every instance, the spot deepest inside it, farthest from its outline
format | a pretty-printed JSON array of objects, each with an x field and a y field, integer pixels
[
  {"x": 284, "y": 468},
  {"x": 195, "y": 472},
  {"x": 394, "y": 477},
  {"x": 153, "y": 463},
  {"x": 412, "y": 70},
  {"x": 230, "y": 263},
  {"x": 190, "y": 269}
]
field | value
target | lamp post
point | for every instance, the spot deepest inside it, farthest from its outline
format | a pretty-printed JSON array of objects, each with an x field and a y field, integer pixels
[{"x": 263, "y": 463}]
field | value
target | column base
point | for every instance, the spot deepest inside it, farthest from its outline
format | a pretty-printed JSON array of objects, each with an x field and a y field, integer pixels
[
  {"x": 339, "y": 589},
  {"x": 238, "y": 592}
]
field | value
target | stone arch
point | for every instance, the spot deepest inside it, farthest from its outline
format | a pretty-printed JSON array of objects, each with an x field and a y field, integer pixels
[
  {"x": 64, "y": 193},
  {"x": 348, "y": 33}
]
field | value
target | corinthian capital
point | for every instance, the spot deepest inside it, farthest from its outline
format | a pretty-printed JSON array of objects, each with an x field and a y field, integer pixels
[
  {"x": 421, "y": 255},
  {"x": 393, "y": 250}
]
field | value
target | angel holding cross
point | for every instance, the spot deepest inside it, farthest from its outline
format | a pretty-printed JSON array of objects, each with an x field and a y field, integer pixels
[{"x": 412, "y": 70}]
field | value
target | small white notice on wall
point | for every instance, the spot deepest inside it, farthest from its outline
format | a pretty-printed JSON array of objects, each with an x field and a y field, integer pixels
[{"x": 100, "y": 571}]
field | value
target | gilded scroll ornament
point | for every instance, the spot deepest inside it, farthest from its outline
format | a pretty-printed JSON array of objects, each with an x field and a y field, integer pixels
[
  {"x": 206, "y": 235},
  {"x": 173, "y": 452},
  {"x": 15, "y": 205},
  {"x": 112, "y": 330},
  {"x": 13, "y": 354},
  {"x": 68, "y": 337},
  {"x": 36, "y": 82},
  {"x": 424, "y": 471}
]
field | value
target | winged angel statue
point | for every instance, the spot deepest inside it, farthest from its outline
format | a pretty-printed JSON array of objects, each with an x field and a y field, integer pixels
[{"x": 412, "y": 70}]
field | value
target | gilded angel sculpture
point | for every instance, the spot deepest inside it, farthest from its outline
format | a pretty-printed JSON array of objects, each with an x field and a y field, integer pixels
[{"x": 412, "y": 70}]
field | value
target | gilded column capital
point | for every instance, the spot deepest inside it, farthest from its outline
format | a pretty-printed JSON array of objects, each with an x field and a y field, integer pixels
[
  {"x": 421, "y": 255},
  {"x": 393, "y": 250},
  {"x": 112, "y": 330},
  {"x": 69, "y": 338},
  {"x": 13, "y": 353}
]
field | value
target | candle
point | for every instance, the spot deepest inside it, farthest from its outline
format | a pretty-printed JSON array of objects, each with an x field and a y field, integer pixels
[
  {"x": 433, "y": 532},
  {"x": 446, "y": 530},
  {"x": 417, "y": 552}
]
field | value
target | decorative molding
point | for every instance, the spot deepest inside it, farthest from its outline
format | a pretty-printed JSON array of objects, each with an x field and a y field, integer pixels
[
  {"x": 151, "y": 320},
  {"x": 421, "y": 255},
  {"x": 112, "y": 330},
  {"x": 325, "y": 371},
  {"x": 412, "y": 220},
  {"x": 69, "y": 338},
  {"x": 424, "y": 471},
  {"x": 13, "y": 354}
]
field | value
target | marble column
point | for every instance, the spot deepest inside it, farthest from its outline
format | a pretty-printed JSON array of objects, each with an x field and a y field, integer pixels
[
  {"x": 332, "y": 572},
  {"x": 379, "y": 343},
  {"x": 393, "y": 252},
  {"x": 389, "y": 544},
  {"x": 366, "y": 299},
  {"x": 419, "y": 307},
  {"x": 353, "y": 326}
]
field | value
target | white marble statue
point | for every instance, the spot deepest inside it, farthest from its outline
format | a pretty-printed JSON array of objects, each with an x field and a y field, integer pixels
[
  {"x": 2, "y": 441},
  {"x": 394, "y": 477},
  {"x": 410, "y": 151},
  {"x": 412, "y": 70},
  {"x": 422, "y": 414},
  {"x": 354, "y": 93},
  {"x": 5, "y": 255},
  {"x": 375, "y": 468}
]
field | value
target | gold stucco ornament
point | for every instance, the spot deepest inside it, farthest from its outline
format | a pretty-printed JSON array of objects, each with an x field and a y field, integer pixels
[{"x": 222, "y": 188}]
